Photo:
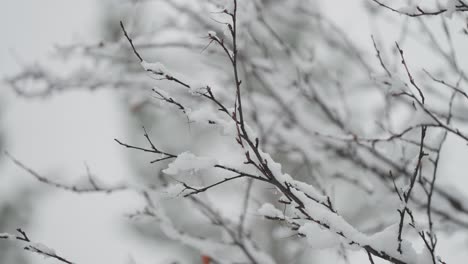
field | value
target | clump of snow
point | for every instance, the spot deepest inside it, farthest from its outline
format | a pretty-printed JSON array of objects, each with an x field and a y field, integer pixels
[
  {"x": 198, "y": 90},
  {"x": 309, "y": 190},
  {"x": 7, "y": 236},
  {"x": 187, "y": 161},
  {"x": 387, "y": 241},
  {"x": 155, "y": 67},
  {"x": 286, "y": 179},
  {"x": 211, "y": 33},
  {"x": 206, "y": 115},
  {"x": 42, "y": 249}
]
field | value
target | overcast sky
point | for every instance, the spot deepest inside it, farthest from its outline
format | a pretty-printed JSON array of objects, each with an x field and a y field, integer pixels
[{"x": 58, "y": 135}]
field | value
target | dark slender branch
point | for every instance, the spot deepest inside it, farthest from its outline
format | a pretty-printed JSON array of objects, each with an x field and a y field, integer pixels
[
  {"x": 409, "y": 74},
  {"x": 407, "y": 194},
  {"x": 152, "y": 150},
  {"x": 35, "y": 247},
  {"x": 453, "y": 87},
  {"x": 93, "y": 186},
  {"x": 197, "y": 191},
  {"x": 130, "y": 41},
  {"x": 380, "y": 57},
  {"x": 419, "y": 11},
  {"x": 371, "y": 260}
]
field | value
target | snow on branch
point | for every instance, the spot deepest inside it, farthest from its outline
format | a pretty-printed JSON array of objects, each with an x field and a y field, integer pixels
[
  {"x": 291, "y": 115},
  {"x": 308, "y": 205},
  {"x": 189, "y": 162},
  {"x": 416, "y": 10},
  {"x": 35, "y": 247}
]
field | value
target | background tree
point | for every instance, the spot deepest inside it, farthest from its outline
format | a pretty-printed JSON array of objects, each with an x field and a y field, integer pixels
[
  {"x": 11, "y": 216},
  {"x": 277, "y": 82}
]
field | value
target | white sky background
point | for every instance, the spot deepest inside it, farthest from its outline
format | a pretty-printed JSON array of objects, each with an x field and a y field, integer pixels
[{"x": 57, "y": 135}]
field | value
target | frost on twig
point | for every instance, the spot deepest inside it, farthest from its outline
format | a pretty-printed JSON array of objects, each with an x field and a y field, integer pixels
[
  {"x": 317, "y": 124},
  {"x": 34, "y": 247}
]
